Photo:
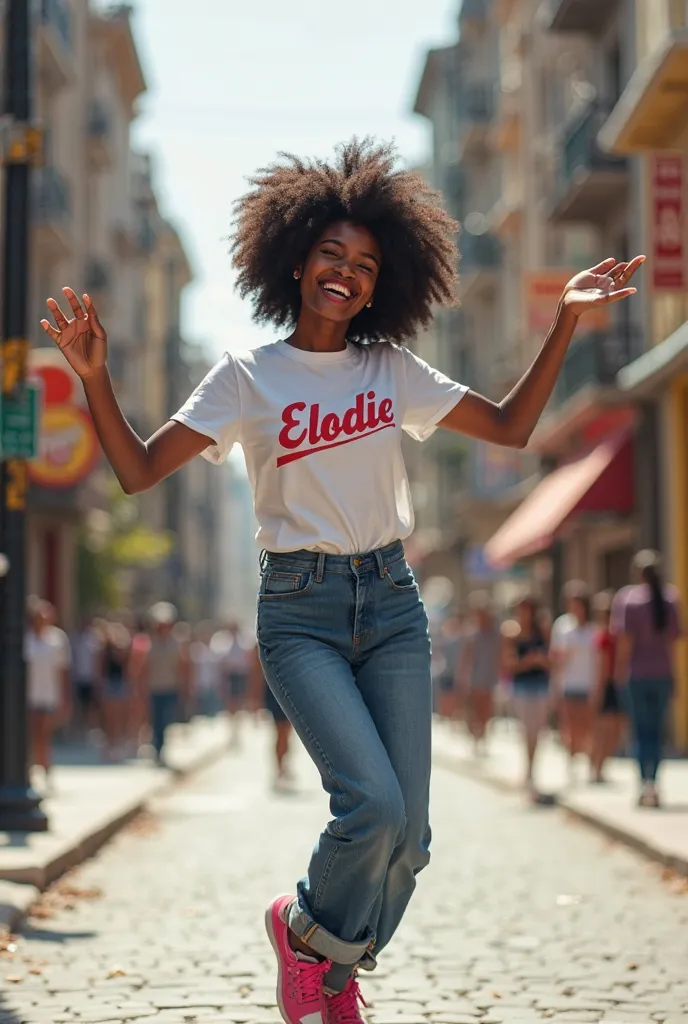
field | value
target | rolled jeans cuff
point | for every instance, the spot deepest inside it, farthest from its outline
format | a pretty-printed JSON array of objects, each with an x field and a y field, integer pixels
[{"x": 324, "y": 942}]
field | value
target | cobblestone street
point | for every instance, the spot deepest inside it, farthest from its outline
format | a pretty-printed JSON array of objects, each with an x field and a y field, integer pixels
[{"x": 521, "y": 916}]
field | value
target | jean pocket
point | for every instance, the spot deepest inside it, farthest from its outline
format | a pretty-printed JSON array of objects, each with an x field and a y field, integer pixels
[
  {"x": 276, "y": 584},
  {"x": 400, "y": 577}
]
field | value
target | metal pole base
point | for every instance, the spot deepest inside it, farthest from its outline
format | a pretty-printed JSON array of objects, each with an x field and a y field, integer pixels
[{"x": 20, "y": 810}]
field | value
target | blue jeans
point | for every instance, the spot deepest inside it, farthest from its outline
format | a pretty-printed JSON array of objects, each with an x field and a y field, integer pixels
[
  {"x": 345, "y": 649},
  {"x": 163, "y": 712},
  {"x": 648, "y": 703}
]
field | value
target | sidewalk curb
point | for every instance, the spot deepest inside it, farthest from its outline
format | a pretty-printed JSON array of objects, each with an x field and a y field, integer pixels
[
  {"x": 36, "y": 878},
  {"x": 652, "y": 853}
]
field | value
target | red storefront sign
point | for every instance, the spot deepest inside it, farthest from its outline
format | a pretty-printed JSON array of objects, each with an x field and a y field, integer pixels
[{"x": 668, "y": 222}]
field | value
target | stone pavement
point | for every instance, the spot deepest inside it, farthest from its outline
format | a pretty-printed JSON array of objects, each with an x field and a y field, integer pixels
[
  {"x": 522, "y": 916},
  {"x": 91, "y": 801},
  {"x": 662, "y": 835}
]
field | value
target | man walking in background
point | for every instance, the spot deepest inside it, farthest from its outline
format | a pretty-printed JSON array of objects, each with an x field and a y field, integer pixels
[{"x": 165, "y": 674}]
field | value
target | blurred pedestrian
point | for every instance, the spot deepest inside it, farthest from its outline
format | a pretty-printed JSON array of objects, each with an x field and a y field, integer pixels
[
  {"x": 608, "y": 705},
  {"x": 574, "y": 656},
  {"x": 166, "y": 674},
  {"x": 261, "y": 696},
  {"x": 343, "y": 254},
  {"x": 446, "y": 653},
  {"x": 47, "y": 657},
  {"x": 233, "y": 647},
  {"x": 479, "y": 666},
  {"x": 205, "y": 667},
  {"x": 139, "y": 719},
  {"x": 86, "y": 646},
  {"x": 526, "y": 662},
  {"x": 116, "y": 689},
  {"x": 646, "y": 620}
]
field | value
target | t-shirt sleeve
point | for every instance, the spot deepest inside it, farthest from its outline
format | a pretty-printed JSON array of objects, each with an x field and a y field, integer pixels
[
  {"x": 214, "y": 409},
  {"x": 430, "y": 395}
]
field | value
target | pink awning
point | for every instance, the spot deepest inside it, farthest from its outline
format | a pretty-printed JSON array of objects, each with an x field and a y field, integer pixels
[{"x": 602, "y": 480}]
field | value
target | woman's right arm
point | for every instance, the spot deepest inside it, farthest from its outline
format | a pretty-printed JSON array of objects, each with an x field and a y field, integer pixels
[{"x": 138, "y": 464}]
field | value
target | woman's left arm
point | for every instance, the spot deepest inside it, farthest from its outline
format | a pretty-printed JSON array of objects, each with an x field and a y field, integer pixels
[{"x": 511, "y": 421}]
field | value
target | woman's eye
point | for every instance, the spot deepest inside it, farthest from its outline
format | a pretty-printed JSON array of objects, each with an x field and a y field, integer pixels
[
  {"x": 328, "y": 252},
  {"x": 362, "y": 266}
]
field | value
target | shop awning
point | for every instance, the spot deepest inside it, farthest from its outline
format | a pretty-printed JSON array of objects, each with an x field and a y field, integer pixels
[{"x": 600, "y": 481}]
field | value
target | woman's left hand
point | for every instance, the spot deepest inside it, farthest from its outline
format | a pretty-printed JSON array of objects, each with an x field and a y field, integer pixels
[{"x": 607, "y": 282}]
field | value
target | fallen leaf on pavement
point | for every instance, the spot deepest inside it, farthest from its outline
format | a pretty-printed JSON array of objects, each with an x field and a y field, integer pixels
[{"x": 116, "y": 972}]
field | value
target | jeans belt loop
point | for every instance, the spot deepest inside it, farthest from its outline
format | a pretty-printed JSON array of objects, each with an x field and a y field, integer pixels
[
  {"x": 320, "y": 567},
  {"x": 380, "y": 563},
  {"x": 262, "y": 561}
]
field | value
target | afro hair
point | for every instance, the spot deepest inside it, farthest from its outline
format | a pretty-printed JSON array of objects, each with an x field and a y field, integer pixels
[{"x": 291, "y": 202}]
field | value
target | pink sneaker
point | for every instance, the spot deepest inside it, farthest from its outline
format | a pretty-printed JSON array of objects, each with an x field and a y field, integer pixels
[
  {"x": 345, "y": 1007},
  {"x": 300, "y": 994}
]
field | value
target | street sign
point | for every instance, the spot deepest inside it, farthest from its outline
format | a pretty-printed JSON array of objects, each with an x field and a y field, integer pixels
[{"x": 19, "y": 422}]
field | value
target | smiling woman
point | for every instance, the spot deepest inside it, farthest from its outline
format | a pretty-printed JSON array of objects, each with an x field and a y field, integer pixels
[{"x": 349, "y": 256}]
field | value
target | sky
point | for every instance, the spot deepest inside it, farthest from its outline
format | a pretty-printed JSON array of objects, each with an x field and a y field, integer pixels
[{"x": 231, "y": 83}]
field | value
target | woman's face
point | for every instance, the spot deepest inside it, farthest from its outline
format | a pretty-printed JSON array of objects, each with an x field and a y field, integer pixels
[{"x": 339, "y": 276}]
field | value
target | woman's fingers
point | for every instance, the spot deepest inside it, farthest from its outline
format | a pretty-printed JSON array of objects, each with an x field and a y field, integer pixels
[
  {"x": 623, "y": 293},
  {"x": 60, "y": 318},
  {"x": 631, "y": 267},
  {"x": 73, "y": 301},
  {"x": 603, "y": 267},
  {"x": 93, "y": 316},
  {"x": 50, "y": 331}
]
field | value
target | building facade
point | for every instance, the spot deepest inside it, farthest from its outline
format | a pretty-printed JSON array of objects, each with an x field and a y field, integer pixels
[{"x": 96, "y": 225}]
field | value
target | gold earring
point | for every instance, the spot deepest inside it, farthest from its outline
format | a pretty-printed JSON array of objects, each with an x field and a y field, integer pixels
[{"x": 297, "y": 275}]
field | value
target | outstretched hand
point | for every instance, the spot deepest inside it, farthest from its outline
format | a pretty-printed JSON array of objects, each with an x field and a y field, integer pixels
[
  {"x": 607, "y": 282},
  {"x": 81, "y": 340}
]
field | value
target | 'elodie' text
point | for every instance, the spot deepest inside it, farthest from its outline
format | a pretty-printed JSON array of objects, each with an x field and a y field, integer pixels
[{"x": 365, "y": 417}]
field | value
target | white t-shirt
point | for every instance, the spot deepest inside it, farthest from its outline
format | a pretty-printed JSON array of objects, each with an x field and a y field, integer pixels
[
  {"x": 46, "y": 656},
  {"x": 206, "y": 665},
  {"x": 578, "y": 646},
  {"x": 321, "y": 432}
]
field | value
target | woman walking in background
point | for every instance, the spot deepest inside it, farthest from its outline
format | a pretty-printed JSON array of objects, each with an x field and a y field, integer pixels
[
  {"x": 48, "y": 681},
  {"x": 116, "y": 689},
  {"x": 350, "y": 257},
  {"x": 646, "y": 621},
  {"x": 478, "y": 673},
  {"x": 527, "y": 664},
  {"x": 607, "y": 701},
  {"x": 574, "y": 656}
]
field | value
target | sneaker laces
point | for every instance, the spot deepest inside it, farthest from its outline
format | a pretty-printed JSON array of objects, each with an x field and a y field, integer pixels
[
  {"x": 344, "y": 1008},
  {"x": 306, "y": 978}
]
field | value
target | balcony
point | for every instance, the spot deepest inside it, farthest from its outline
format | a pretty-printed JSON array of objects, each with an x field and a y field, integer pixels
[
  {"x": 54, "y": 51},
  {"x": 589, "y": 16},
  {"x": 651, "y": 111},
  {"x": 52, "y": 213},
  {"x": 99, "y": 137},
  {"x": 590, "y": 184},
  {"x": 596, "y": 358},
  {"x": 476, "y": 108}
]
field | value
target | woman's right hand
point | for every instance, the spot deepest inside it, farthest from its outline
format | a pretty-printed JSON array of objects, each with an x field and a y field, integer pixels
[{"x": 82, "y": 340}]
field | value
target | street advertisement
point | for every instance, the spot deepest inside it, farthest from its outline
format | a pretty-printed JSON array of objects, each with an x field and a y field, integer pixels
[
  {"x": 668, "y": 223},
  {"x": 68, "y": 448}
]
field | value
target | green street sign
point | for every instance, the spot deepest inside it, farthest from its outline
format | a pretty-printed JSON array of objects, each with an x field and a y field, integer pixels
[{"x": 19, "y": 422}]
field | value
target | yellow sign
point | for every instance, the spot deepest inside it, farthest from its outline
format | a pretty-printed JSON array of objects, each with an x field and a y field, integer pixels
[{"x": 68, "y": 447}]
